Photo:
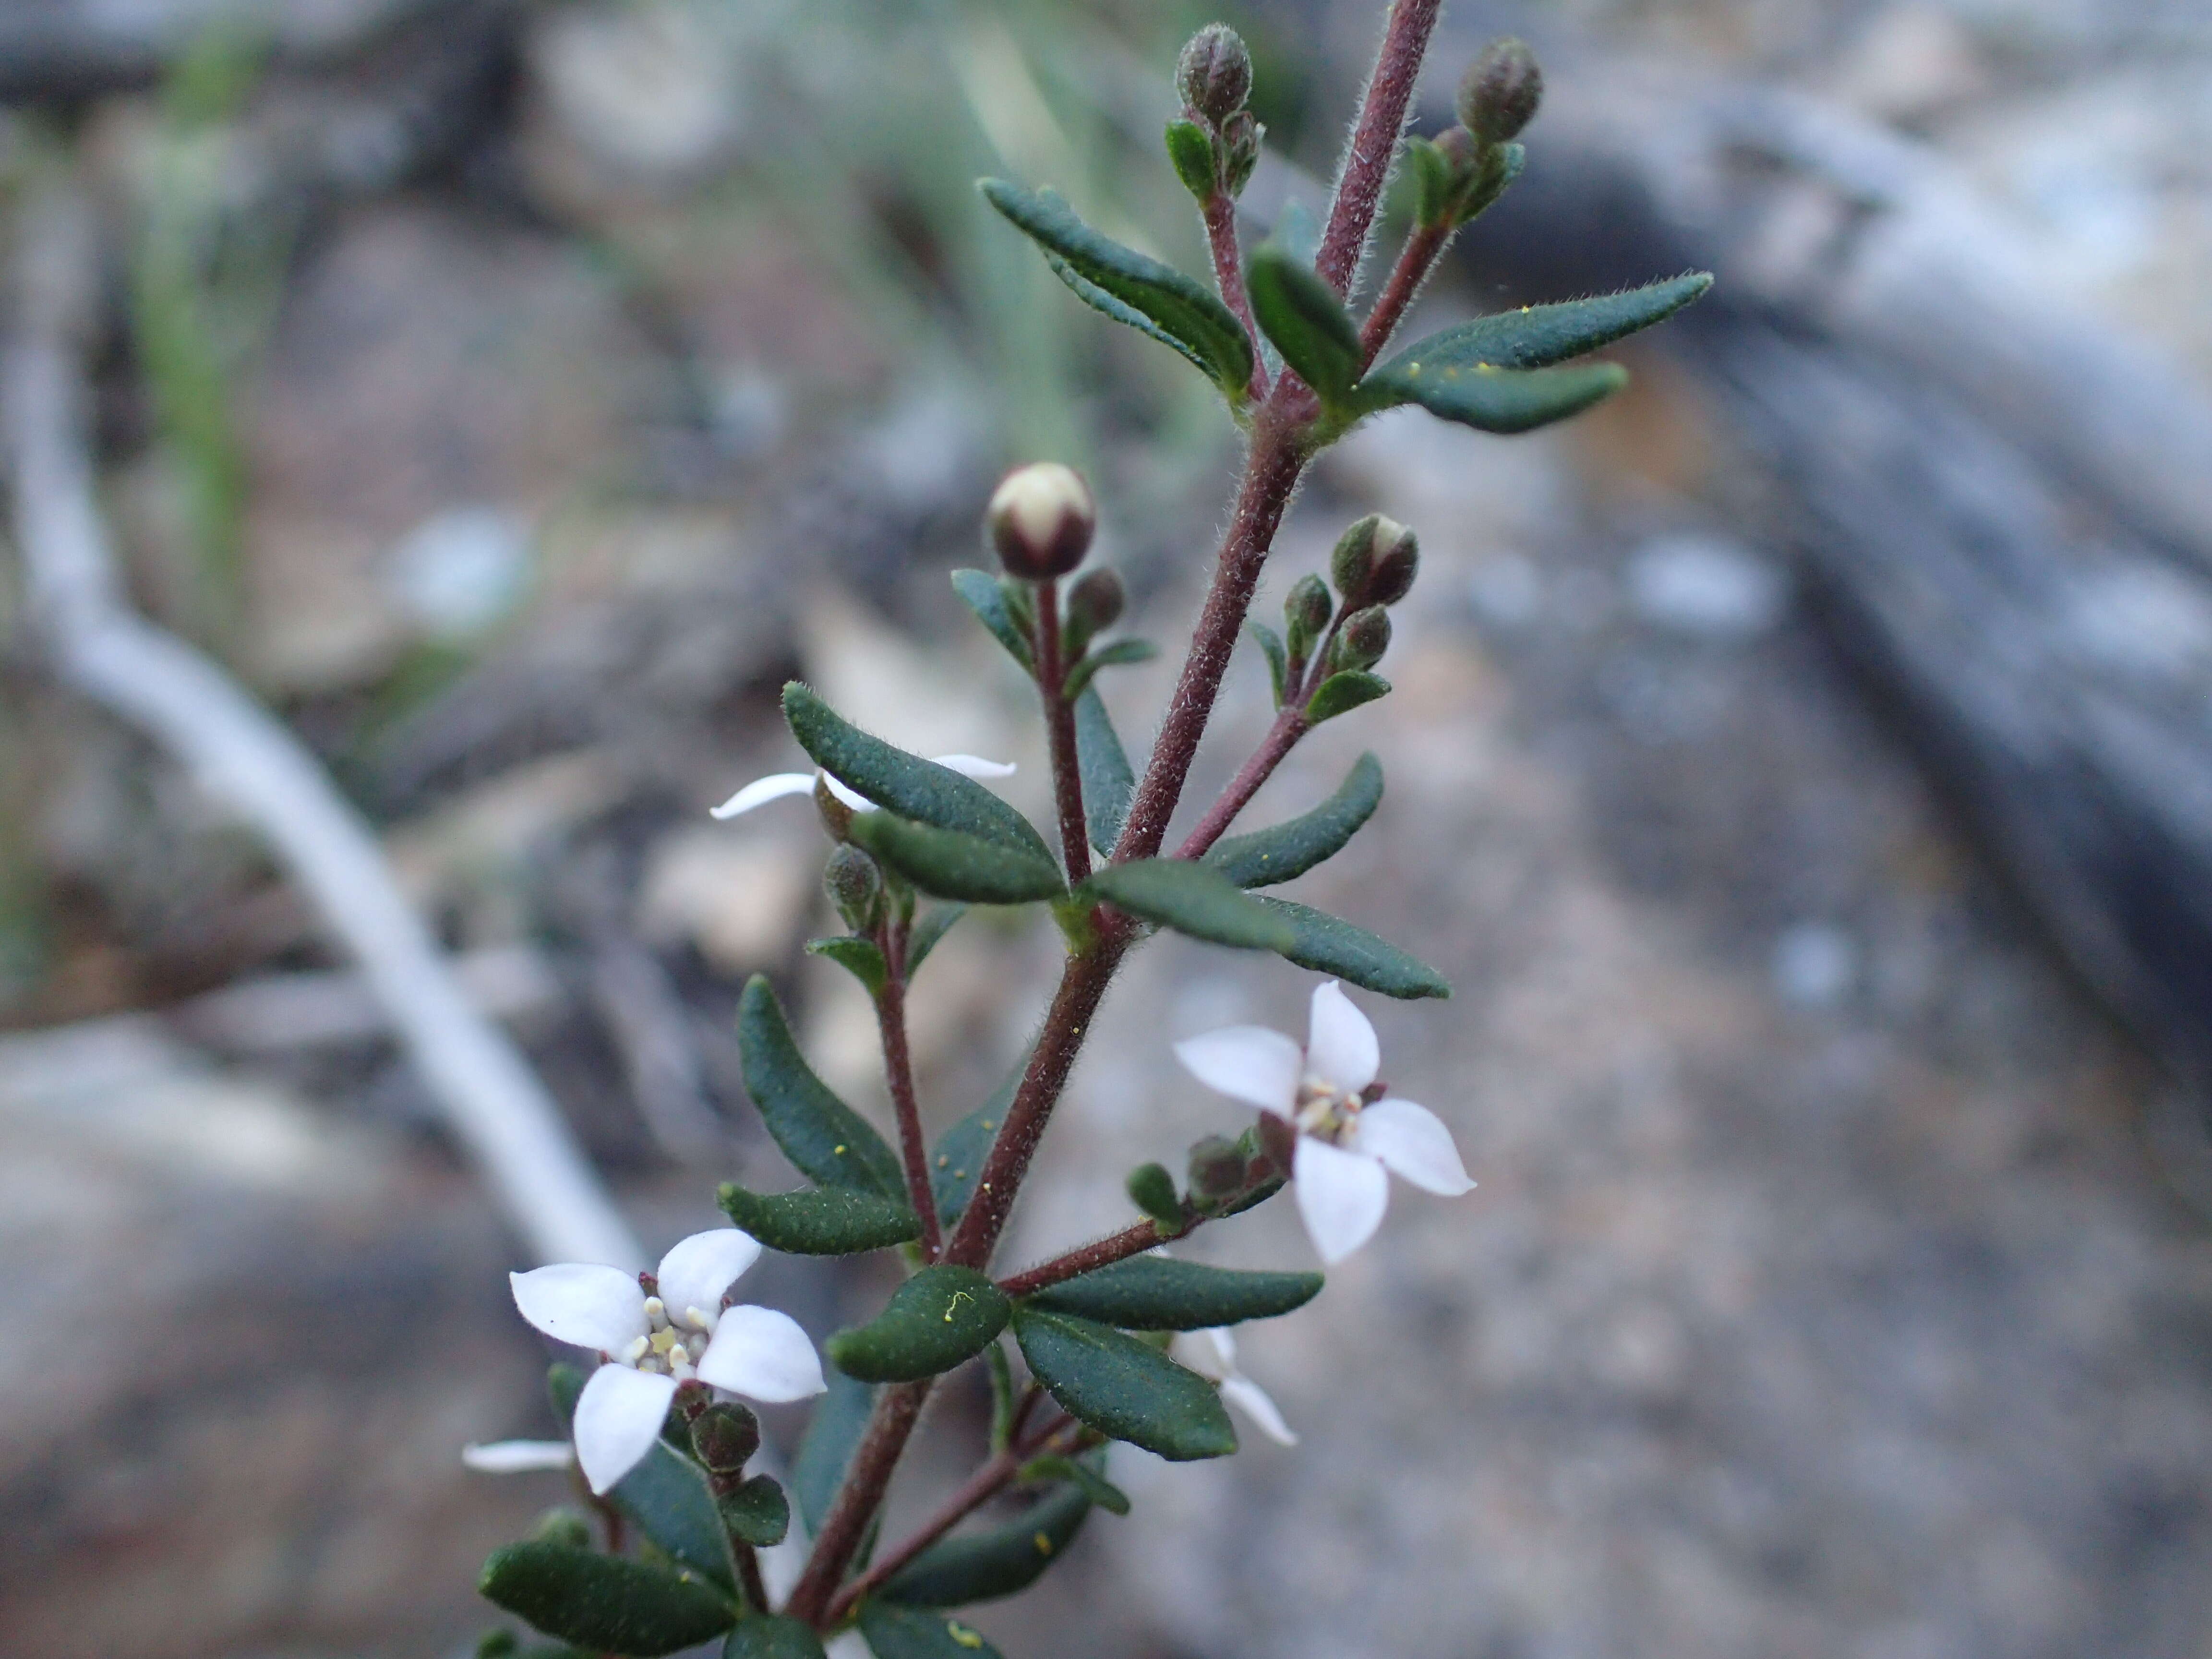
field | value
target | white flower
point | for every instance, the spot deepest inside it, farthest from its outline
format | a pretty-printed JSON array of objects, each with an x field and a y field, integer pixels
[
  {"x": 654, "y": 1342},
  {"x": 518, "y": 1457},
  {"x": 777, "y": 785},
  {"x": 1346, "y": 1140},
  {"x": 1212, "y": 1354}
]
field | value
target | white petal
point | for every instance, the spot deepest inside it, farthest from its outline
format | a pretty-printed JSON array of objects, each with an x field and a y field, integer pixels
[
  {"x": 1247, "y": 1062},
  {"x": 698, "y": 1270},
  {"x": 1340, "y": 1046},
  {"x": 518, "y": 1457},
  {"x": 619, "y": 1417},
  {"x": 1251, "y": 1398},
  {"x": 1341, "y": 1197},
  {"x": 761, "y": 791},
  {"x": 1207, "y": 1353},
  {"x": 974, "y": 766},
  {"x": 593, "y": 1307},
  {"x": 762, "y": 1355},
  {"x": 852, "y": 798},
  {"x": 1413, "y": 1144}
]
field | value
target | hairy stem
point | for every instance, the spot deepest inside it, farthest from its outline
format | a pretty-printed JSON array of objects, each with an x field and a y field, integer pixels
[
  {"x": 1219, "y": 212},
  {"x": 1133, "y": 1240},
  {"x": 1282, "y": 737},
  {"x": 1059, "y": 733},
  {"x": 1366, "y": 167},
  {"x": 1415, "y": 260},
  {"x": 898, "y": 1071},
  {"x": 897, "y": 1409}
]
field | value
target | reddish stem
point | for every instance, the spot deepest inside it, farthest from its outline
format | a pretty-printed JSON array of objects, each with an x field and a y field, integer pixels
[
  {"x": 897, "y": 1408},
  {"x": 1133, "y": 1240},
  {"x": 898, "y": 1069},
  {"x": 1219, "y": 212},
  {"x": 1282, "y": 737},
  {"x": 1366, "y": 167},
  {"x": 1415, "y": 261},
  {"x": 1060, "y": 734}
]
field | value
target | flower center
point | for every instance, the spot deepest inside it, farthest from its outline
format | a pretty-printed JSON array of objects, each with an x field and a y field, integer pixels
[
  {"x": 675, "y": 1344},
  {"x": 1325, "y": 1111}
]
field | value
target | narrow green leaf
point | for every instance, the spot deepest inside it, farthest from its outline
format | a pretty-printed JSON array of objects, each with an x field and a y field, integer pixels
[
  {"x": 941, "y": 1318},
  {"x": 983, "y": 1565},
  {"x": 1121, "y": 653},
  {"x": 757, "y": 1512},
  {"x": 956, "y": 1163},
  {"x": 1296, "y": 846},
  {"x": 1124, "y": 1388},
  {"x": 1107, "y": 780},
  {"x": 772, "y": 1638},
  {"x": 1278, "y": 664},
  {"x": 979, "y": 592},
  {"x": 1095, "y": 1486},
  {"x": 821, "y": 1221},
  {"x": 1129, "y": 316},
  {"x": 667, "y": 1495},
  {"x": 1500, "y": 400},
  {"x": 826, "y": 1140},
  {"x": 833, "y": 1434},
  {"x": 896, "y": 1632},
  {"x": 604, "y": 1602},
  {"x": 1327, "y": 944},
  {"x": 1193, "y": 899},
  {"x": 1539, "y": 337},
  {"x": 932, "y": 925},
  {"x": 1339, "y": 694},
  {"x": 1304, "y": 320},
  {"x": 1190, "y": 153},
  {"x": 910, "y": 786},
  {"x": 1182, "y": 311},
  {"x": 1158, "y": 1293},
  {"x": 954, "y": 865},
  {"x": 858, "y": 957}
]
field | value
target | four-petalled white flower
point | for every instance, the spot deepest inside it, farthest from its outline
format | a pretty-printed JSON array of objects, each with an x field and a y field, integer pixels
[
  {"x": 654, "y": 1342},
  {"x": 1212, "y": 1354},
  {"x": 777, "y": 785},
  {"x": 1345, "y": 1141}
]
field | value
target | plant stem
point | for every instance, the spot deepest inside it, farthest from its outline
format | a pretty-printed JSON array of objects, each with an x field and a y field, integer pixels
[
  {"x": 1134, "y": 1240},
  {"x": 1219, "y": 212},
  {"x": 1366, "y": 167},
  {"x": 1059, "y": 733},
  {"x": 898, "y": 1070},
  {"x": 897, "y": 1409},
  {"x": 749, "y": 1575},
  {"x": 1282, "y": 737},
  {"x": 1415, "y": 260}
]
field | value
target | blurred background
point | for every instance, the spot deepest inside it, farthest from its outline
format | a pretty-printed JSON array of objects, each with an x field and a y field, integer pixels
[{"x": 1800, "y": 766}]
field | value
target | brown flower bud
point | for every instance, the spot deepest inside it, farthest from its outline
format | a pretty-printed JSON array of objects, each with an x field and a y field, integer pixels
[
  {"x": 1095, "y": 602},
  {"x": 1365, "y": 637},
  {"x": 1214, "y": 73},
  {"x": 1501, "y": 91},
  {"x": 1217, "y": 1168},
  {"x": 1041, "y": 520}
]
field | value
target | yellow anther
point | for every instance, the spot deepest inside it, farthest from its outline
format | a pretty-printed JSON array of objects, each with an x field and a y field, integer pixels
[
  {"x": 1044, "y": 1544},
  {"x": 960, "y": 1633},
  {"x": 663, "y": 1341}
]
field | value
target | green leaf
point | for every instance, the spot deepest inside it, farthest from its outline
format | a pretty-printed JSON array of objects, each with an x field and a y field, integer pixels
[
  {"x": 772, "y": 1638},
  {"x": 833, "y": 1434},
  {"x": 979, "y": 592},
  {"x": 1279, "y": 663},
  {"x": 858, "y": 957},
  {"x": 1121, "y": 653},
  {"x": 564, "y": 1385},
  {"x": 821, "y": 1221},
  {"x": 1178, "y": 311},
  {"x": 1296, "y": 846},
  {"x": 1339, "y": 694},
  {"x": 933, "y": 926},
  {"x": 981, "y": 1566},
  {"x": 1304, "y": 320},
  {"x": 951, "y": 863},
  {"x": 1095, "y": 1486},
  {"x": 1193, "y": 899},
  {"x": 1190, "y": 153},
  {"x": 956, "y": 1163},
  {"x": 1501, "y": 400},
  {"x": 757, "y": 1512},
  {"x": 604, "y": 1602},
  {"x": 941, "y": 1317},
  {"x": 1107, "y": 780},
  {"x": 1327, "y": 944},
  {"x": 909, "y": 785},
  {"x": 1124, "y": 1388},
  {"x": 896, "y": 1632},
  {"x": 1158, "y": 1293},
  {"x": 1539, "y": 337},
  {"x": 667, "y": 1495},
  {"x": 826, "y": 1140}
]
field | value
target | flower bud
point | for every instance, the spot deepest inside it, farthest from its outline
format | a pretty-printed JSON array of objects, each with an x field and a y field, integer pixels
[
  {"x": 1214, "y": 73},
  {"x": 1041, "y": 520},
  {"x": 563, "y": 1527},
  {"x": 1152, "y": 1190},
  {"x": 1365, "y": 637},
  {"x": 855, "y": 887},
  {"x": 1217, "y": 1168},
  {"x": 1501, "y": 91},
  {"x": 1306, "y": 610},
  {"x": 498, "y": 1644},
  {"x": 1094, "y": 604},
  {"x": 1396, "y": 563},
  {"x": 1278, "y": 1140},
  {"x": 1240, "y": 150},
  {"x": 724, "y": 1438},
  {"x": 837, "y": 819},
  {"x": 1353, "y": 559}
]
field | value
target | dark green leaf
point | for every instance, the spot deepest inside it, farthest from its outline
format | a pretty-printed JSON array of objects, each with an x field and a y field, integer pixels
[
  {"x": 858, "y": 957},
  {"x": 1502, "y": 400},
  {"x": 1191, "y": 899},
  {"x": 939, "y": 1318},
  {"x": 1339, "y": 694},
  {"x": 821, "y": 1221},
  {"x": 604, "y": 1602},
  {"x": 1120, "y": 654},
  {"x": 979, "y": 592},
  {"x": 1539, "y": 337},
  {"x": 1129, "y": 316},
  {"x": 1095, "y": 1486},
  {"x": 564, "y": 1384},
  {"x": 772, "y": 1638},
  {"x": 949, "y": 864},
  {"x": 826, "y": 1140},
  {"x": 757, "y": 1512},
  {"x": 1124, "y": 1388},
  {"x": 1180, "y": 311},
  {"x": 1293, "y": 848},
  {"x": 1158, "y": 1293},
  {"x": 1190, "y": 153},
  {"x": 896, "y": 1632},
  {"x": 1304, "y": 320},
  {"x": 1278, "y": 665},
  {"x": 1107, "y": 780},
  {"x": 933, "y": 925},
  {"x": 1327, "y": 944},
  {"x": 841, "y": 1417},
  {"x": 981, "y": 1566},
  {"x": 957, "y": 1161},
  {"x": 910, "y": 786},
  {"x": 666, "y": 1495}
]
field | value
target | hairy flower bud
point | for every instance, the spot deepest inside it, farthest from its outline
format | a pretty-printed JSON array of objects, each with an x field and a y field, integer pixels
[
  {"x": 855, "y": 887},
  {"x": 1501, "y": 91},
  {"x": 1152, "y": 1189},
  {"x": 1306, "y": 611},
  {"x": 1041, "y": 520},
  {"x": 726, "y": 1436},
  {"x": 1214, "y": 74},
  {"x": 1240, "y": 150},
  {"x": 1354, "y": 558},
  {"x": 1365, "y": 637},
  {"x": 1396, "y": 563},
  {"x": 1095, "y": 602}
]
